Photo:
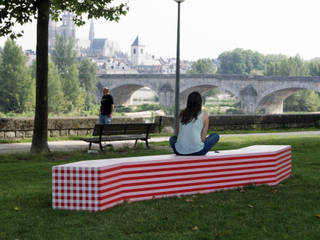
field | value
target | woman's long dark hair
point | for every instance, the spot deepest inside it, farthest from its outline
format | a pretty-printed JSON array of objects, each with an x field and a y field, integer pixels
[{"x": 193, "y": 108}]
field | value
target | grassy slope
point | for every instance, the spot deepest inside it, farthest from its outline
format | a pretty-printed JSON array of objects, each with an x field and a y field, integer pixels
[{"x": 287, "y": 211}]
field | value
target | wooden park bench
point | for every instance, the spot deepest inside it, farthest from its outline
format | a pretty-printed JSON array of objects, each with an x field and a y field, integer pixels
[{"x": 121, "y": 132}]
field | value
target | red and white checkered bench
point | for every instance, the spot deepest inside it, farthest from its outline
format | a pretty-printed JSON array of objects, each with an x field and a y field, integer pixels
[{"x": 96, "y": 185}]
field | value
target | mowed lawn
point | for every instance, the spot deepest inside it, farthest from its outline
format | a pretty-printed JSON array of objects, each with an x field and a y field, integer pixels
[{"x": 290, "y": 210}]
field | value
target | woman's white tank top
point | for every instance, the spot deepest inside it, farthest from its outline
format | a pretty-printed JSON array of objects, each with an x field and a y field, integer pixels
[{"x": 189, "y": 136}]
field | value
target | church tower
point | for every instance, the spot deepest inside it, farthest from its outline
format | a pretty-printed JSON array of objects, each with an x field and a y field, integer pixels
[
  {"x": 67, "y": 29},
  {"x": 91, "y": 32},
  {"x": 137, "y": 52}
]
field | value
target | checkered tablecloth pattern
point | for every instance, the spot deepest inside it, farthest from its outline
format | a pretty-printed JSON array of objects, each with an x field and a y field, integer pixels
[
  {"x": 75, "y": 188},
  {"x": 100, "y": 184}
]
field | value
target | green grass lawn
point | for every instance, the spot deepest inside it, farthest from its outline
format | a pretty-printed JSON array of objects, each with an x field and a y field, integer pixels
[{"x": 290, "y": 210}]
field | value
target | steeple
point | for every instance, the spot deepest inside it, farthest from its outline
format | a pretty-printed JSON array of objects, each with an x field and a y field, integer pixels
[
  {"x": 67, "y": 29},
  {"x": 136, "y": 42},
  {"x": 91, "y": 32},
  {"x": 137, "y": 52}
]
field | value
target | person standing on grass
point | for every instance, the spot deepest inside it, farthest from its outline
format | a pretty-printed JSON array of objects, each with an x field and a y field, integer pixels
[
  {"x": 192, "y": 129},
  {"x": 106, "y": 108}
]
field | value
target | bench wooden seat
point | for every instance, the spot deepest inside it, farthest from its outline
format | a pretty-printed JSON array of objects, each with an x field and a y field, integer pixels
[
  {"x": 96, "y": 185},
  {"x": 121, "y": 132}
]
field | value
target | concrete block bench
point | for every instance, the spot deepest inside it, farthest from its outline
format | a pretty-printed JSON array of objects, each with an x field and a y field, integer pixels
[{"x": 96, "y": 185}]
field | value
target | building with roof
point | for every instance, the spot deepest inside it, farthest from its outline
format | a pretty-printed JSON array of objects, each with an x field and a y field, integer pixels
[
  {"x": 137, "y": 52},
  {"x": 67, "y": 29}
]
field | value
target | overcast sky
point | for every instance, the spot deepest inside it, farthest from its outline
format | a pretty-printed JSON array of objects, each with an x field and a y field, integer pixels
[{"x": 209, "y": 27}]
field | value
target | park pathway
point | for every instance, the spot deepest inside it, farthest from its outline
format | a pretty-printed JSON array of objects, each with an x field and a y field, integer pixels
[{"x": 81, "y": 145}]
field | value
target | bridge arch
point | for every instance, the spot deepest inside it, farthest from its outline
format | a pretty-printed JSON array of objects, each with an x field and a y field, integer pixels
[
  {"x": 203, "y": 85},
  {"x": 122, "y": 93},
  {"x": 202, "y": 89},
  {"x": 271, "y": 102}
]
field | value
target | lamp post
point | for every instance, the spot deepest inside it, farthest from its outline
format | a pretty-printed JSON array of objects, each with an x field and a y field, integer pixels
[{"x": 177, "y": 90}]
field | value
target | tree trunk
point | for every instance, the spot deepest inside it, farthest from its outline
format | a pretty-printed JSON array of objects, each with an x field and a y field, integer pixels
[{"x": 40, "y": 131}]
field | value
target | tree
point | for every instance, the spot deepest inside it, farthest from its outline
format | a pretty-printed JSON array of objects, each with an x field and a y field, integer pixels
[
  {"x": 56, "y": 101},
  {"x": 88, "y": 81},
  {"x": 24, "y": 11},
  {"x": 204, "y": 65},
  {"x": 71, "y": 87},
  {"x": 55, "y": 91},
  {"x": 58, "y": 55},
  {"x": 15, "y": 80},
  {"x": 231, "y": 63},
  {"x": 64, "y": 57},
  {"x": 241, "y": 61},
  {"x": 314, "y": 67},
  {"x": 292, "y": 66},
  {"x": 302, "y": 101}
]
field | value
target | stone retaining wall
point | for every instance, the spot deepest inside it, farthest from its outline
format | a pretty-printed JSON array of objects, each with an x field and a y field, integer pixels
[
  {"x": 247, "y": 122},
  {"x": 11, "y": 128}
]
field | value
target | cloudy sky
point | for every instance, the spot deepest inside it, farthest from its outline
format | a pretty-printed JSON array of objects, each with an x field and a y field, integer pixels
[{"x": 209, "y": 27}]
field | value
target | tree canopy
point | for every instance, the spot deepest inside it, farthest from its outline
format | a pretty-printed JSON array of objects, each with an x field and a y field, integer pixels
[
  {"x": 204, "y": 65},
  {"x": 15, "y": 80},
  {"x": 240, "y": 61},
  {"x": 24, "y": 11}
]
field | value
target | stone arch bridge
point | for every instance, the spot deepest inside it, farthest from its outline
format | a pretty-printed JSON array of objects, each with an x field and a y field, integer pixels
[{"x": 255, "y": 93}]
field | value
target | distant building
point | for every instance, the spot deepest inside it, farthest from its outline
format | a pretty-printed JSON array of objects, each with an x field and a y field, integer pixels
[
  {"x": 137, "y": 52},
  {"x": 101, "y": 47},
  {"x": 107, "y": 54},
  {"x": 83, "y": 47},
  {"x": 114, "y": 66},
  {"x": 31, "y": 57},
  {"x": 98, "y": 48},
  {"x": 66, "y": 29},
  {"x": 91, "y": 31},
  {"x": 142, "y": 61}
]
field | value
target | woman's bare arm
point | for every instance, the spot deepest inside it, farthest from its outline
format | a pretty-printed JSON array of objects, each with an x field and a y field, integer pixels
[
  {"x": 177, "y": 126},
  {"x": 205, "y": 121}
]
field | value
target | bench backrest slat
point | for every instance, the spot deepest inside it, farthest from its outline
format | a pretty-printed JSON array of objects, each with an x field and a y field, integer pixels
[{"x": 123, "y": 128}]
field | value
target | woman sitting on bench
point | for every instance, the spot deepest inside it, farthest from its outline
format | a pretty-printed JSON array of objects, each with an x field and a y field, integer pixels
[{"x": 192, "y": 129}]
